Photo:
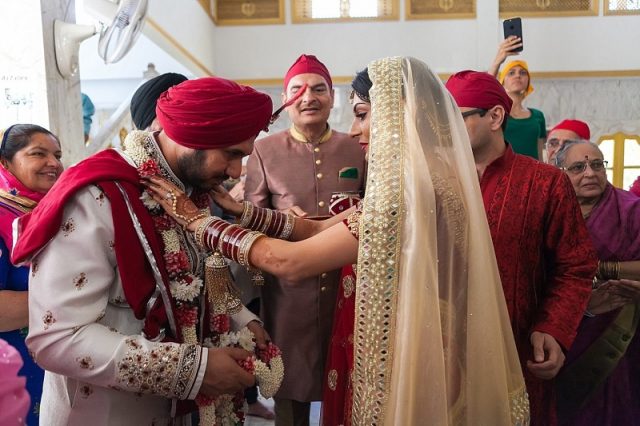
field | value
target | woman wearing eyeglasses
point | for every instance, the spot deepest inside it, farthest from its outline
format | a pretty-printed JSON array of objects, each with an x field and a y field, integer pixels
[{"x": 598, "y": 384}]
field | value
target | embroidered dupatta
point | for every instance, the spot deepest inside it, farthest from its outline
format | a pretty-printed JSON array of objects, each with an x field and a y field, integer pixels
[{"x": 432, "y": 340}]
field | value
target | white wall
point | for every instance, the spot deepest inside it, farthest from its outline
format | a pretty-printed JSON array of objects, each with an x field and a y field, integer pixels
[{"x": 551, "y": 44}]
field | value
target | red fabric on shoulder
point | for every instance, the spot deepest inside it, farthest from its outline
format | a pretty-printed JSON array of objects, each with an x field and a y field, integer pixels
[{"x": 104, "y": 169}]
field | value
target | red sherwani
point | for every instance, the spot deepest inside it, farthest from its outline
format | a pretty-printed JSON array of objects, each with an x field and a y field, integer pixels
[{"x": 545, "y": 257}]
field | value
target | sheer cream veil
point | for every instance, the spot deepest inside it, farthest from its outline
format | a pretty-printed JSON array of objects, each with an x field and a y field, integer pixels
[{"x": 432, "y": 341}]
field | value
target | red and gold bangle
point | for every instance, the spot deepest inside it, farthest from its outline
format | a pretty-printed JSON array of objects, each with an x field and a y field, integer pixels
[{"x": 270, "y": 222}]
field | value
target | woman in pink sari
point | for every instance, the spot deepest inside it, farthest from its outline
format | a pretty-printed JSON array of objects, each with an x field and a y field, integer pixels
[{"x": 599, "y": 383}]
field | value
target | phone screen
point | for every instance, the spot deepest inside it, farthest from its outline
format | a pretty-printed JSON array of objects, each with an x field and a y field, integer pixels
[{"x": 513, "y": 27}]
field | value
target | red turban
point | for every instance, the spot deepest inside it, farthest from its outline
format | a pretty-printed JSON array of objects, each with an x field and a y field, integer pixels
[
  {"x": 473, "y": 89},
  {"x": 307, "y": 64},
  {"x": 578, "y": 127},
  {"x": 212, "y": 112}
]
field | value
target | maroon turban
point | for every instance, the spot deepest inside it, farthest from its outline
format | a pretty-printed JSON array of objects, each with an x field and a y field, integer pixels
[
  {"x": 473, "y": 89},
  {"x": 307, "y": 64},
  {"x": 212, "y": 112},
  {"x": 578, "y": 127}
]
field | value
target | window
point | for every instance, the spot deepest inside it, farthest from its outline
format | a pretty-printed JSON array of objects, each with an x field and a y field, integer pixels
[
  {"x": 623, "y": 154},
  {"x": 240, "y": 12},
  {"x": 343, "y": 10},
  {"x": 547, "y": 8},
  {"x": 621, "y": 7},
  {"x": 440, "y": 9}
]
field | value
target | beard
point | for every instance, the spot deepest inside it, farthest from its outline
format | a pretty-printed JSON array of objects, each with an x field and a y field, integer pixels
[{"x": 191, "y": 168}]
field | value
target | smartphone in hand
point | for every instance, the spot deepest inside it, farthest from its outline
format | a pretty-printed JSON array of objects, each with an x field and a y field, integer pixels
[{"x": 513, "y": 27}]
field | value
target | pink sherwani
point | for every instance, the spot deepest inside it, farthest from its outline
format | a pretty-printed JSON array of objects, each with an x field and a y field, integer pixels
[{"x": 282, "y": 172}]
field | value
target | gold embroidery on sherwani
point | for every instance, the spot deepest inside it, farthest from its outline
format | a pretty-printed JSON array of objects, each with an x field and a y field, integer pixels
[
  {"x": 86, "y": 363},
  {"x": 34, "y": 267},
  {"x": 100, "y": 198},
  {"x": 48, "y": 319},
  {"x": 68, "y": 226},
  {"x": 80, "y": 280},
  {"x": 86, "y": 391},
  {"x": 379, "y": 247},
  {"x": 167, "y": 369}
]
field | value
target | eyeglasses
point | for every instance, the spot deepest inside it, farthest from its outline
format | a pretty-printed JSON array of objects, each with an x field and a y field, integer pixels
[
  {"x": 555, "y": 142},
  {"x": 580, "y": 166},
  {"x": 481, "y": 112}
]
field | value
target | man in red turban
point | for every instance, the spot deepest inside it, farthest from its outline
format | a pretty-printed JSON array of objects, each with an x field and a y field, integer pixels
[
  {"x": 119, "y": 308},
  {"x": 300, "y": 168},
  {"x": 566, "y": 130},
  {"x": 544, "y": 253}
]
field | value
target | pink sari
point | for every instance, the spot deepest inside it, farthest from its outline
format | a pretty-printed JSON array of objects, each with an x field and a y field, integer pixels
[{"x": 10, "y": 185}]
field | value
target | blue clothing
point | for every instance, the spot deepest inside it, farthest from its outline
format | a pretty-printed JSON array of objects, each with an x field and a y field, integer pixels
[
  {"x": 16, "y": 279},
  {"x": 87, "y": 112}
]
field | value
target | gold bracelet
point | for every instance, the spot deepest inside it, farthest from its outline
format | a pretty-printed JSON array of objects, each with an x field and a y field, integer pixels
[
  {"x": 247, "y": 212},
  {"x": 245, "y": 247},
  {"x": 203, "y": 213},
  {"x": 288, "y": 228},
  {"x": 199, "y": 233}
]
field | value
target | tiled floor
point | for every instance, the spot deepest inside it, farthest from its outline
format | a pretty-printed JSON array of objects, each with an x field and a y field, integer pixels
[{"x": 257, "y": 421}]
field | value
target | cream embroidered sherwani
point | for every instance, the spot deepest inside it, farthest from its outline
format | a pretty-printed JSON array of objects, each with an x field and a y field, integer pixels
[{"x": 100, "y": 369}]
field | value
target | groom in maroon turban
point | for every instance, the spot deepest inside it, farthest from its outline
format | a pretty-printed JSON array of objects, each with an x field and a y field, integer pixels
[
  {"x": 125, "y": 319},
  {"x": 544, "y": 253}
]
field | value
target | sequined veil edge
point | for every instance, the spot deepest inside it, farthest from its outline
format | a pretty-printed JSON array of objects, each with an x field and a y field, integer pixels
[
  {"x": 409, "y": 299},
  {"x": 376, "y": 295}
]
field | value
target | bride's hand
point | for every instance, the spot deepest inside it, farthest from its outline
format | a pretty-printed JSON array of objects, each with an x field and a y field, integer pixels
[
  {"x": 174, "y": 201},
  {"x": 226, "y": 201}
]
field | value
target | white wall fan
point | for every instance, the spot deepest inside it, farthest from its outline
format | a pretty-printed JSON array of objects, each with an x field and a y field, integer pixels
[{"x": 120, "y": 27}]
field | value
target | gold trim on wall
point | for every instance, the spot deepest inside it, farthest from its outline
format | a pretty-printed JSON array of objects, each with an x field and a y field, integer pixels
[
  {"x": 297, "y": 19},
  {"x": 542, "y": 13},
  {"x": 178, "y": 46},
  {"x": 248, "y": 21},
  {"x": 274, "y": 82},
  {"x": 444, "y": 15}
]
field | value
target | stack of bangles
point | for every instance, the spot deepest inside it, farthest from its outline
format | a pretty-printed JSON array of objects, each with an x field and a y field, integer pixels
[
  {"x": 234, "y": 242},
  {"x": 270, "y": 222},
  {"x": 608, "y": 270}
]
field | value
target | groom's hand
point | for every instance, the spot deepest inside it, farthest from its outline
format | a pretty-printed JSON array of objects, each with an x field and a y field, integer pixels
[{"x": 223, "y": 374}]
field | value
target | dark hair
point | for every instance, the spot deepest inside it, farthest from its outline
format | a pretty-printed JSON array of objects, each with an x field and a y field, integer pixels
[
  {"x": 18, "y": 136},
  {"x": 361, "y": 85},
  {"x": 143, "y": 102}
]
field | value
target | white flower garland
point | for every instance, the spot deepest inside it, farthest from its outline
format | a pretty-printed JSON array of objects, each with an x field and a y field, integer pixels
[{"x": 268, "y": 377}]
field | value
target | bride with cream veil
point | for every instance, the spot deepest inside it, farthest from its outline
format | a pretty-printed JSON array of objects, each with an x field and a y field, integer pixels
[{"x": 432, "y": 343}]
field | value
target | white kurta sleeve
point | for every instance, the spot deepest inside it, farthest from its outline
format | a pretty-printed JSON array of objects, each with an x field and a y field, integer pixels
[
  {"x": 74, "y": 328},
  {"x": 243, "y": 317}
]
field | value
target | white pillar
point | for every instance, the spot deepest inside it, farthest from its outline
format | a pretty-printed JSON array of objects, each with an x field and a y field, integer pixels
[{"x": 32, "y": 89}]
